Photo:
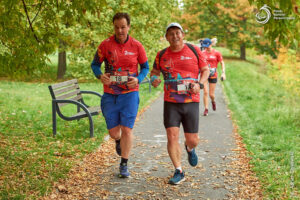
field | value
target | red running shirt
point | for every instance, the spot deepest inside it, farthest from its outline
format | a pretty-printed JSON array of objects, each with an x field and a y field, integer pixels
[
  {"x": 177, "y": 67},
  {"x": 121, "y": 57},
  {"x": 213, "y": 58}
]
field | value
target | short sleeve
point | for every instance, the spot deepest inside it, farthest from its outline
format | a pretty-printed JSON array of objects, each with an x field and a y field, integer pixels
[
  {"x": 219, "y": 56},
  {"x": 202, "y": 58},
  {"x": 156, "y": 62},
  {"x": 101, "y": 51},
  {"x": 142, "y": 57}
]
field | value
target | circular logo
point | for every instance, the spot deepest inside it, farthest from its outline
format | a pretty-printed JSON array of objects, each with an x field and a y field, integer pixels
[{"x": 263, "y": 15}]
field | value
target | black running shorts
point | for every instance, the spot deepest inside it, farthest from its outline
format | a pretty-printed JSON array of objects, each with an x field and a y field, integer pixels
[
  {"x": 212, "y": 80},
  {"x": 185, "y": 113}
]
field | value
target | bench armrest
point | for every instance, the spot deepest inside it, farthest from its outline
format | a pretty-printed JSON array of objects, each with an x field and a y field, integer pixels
[
  {"x": 81, "y": 105},
  {"x": 146, "y": 80},
  {"x": 90, "y": 92}
]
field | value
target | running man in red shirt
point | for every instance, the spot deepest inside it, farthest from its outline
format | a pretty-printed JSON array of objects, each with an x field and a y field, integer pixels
[
  {"x": 180, "y": 65},
  {"x": 121, "y": 55},
  {"x": 213, "y": 57}
]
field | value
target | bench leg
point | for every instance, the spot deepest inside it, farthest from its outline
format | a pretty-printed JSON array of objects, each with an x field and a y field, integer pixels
[
  {"x": 91, "y": 125},
  {"x": 78, "y": 110},
  {"x": 54, "y": 118}
]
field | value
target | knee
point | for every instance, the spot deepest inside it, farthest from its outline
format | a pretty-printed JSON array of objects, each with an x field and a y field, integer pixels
[
  {"x": 205, "y": 93},
  {"x": 192, "y": 142},
  {"x": 126, "y": 132},
  {"x": 114, "y": 133},
  {"x": 212, "y": 96}
]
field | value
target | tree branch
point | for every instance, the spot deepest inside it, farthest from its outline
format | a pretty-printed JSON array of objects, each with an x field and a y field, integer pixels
[
  {"x": 30, "y": 24},
  {"x": 37, "y": 12},
  {"x": 215, "y": 15}
]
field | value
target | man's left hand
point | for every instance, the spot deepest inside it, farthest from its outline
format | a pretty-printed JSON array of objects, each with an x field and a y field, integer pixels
[
  {"x": 223, "y": 77},
  {"x": 133, "y": 82},
  {"x": 195, "y": 88}
]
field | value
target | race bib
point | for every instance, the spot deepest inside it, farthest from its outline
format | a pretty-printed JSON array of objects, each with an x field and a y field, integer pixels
[
  {"x": 119, "y": 77},
  {"x": 183, "y": 86},
  {"x": 212, "y": 71}
]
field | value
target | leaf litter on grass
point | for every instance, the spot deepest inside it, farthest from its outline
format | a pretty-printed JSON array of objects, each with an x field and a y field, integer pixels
[{"x": 85, "y": 175}]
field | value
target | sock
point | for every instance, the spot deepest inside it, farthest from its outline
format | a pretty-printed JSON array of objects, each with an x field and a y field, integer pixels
[
  {"x": 179, "y": 168},
  {"x": 189, "y": 150},
  {"x": 123, "y": 161}
]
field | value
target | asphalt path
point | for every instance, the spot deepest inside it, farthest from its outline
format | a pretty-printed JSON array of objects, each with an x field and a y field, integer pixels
[{"x": 151, "y": 167}]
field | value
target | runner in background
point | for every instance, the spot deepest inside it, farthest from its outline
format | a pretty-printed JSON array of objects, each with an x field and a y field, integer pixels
[
  {"x": 180, "y": 65},
  {"x": 213, "y": 57},
  {"x": 200, "y": 45},
  {"x": 121, "y": 54}
]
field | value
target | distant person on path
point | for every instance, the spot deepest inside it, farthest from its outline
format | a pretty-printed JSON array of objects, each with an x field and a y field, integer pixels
[
  {"x": 200, "y": 44},
  {"x": 121, "y": 54},
  {"x": 213, "y": 57},
  {"x": 180, "y": 65}
]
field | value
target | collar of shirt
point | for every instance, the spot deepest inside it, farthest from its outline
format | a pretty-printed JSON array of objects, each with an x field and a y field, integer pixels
[{"x": 119, "y": 42}]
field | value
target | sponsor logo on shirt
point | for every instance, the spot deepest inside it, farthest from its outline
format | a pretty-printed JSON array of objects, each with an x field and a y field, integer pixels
[
  {"x": 212, "y": 57},
  {"x": 128, "y": 53},
  {"x": 185, "y": 58}
]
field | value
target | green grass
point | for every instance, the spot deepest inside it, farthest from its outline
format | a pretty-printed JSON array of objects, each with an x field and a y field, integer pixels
[
  {"x": 268, "y": 117},
  {"x": 266, "y": 113},
  {"x": 31, "y": 160}
]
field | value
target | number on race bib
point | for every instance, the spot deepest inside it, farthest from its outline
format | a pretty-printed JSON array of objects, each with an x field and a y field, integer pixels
[{"x": 119, "y": 77}]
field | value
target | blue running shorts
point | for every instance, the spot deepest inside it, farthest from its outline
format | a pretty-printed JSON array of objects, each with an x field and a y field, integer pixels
[{"x": 120, "y": 109}]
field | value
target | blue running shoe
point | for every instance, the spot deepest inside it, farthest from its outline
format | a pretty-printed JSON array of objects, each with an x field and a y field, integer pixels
[
  {"x": 192, "y": 157},
  {"x": 118, "y": 147},
  {"x": 124, "y": 173},
  {"x": 177, "y": 178}
]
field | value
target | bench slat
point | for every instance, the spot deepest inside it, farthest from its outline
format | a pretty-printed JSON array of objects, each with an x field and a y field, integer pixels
[
  {"x": 70, "y": 94},
  {"x": 66, "y": 89},
  {"x": 63, "y": 84}
]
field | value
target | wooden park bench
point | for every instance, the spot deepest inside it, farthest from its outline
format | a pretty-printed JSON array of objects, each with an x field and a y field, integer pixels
[{"x": 66, "y": 93}]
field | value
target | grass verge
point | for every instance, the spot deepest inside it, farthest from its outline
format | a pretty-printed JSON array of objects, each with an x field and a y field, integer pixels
[
  {"x": 267, "y": 116},
  {"x": 31, "y": 160}
]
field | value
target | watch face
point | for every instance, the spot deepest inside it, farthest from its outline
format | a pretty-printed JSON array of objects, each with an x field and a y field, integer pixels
[{"x": 201, "y": 85}]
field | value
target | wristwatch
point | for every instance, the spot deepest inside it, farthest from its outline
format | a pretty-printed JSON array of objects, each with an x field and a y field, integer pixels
[{"x": 201, "y": 85}]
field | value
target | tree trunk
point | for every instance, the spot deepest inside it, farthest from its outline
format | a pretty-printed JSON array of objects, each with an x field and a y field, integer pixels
[
  {"x": 243, "y": 51},
  {"x": 62, "y": 65},
  {"x": 62, "y": 62}
]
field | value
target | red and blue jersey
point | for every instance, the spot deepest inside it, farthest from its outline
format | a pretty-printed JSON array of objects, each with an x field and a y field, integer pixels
[
  {"x": 121, "y": 58},
  {"x": 179, "y": 67},
  {"x": 213, "y": 58}
]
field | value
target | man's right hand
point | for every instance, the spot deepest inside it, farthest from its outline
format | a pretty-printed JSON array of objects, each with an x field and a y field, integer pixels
[
  {"x": 105, "y": 79},
  {"x": 154, "y": 77},
  {"x": 156, "y": 82}
]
